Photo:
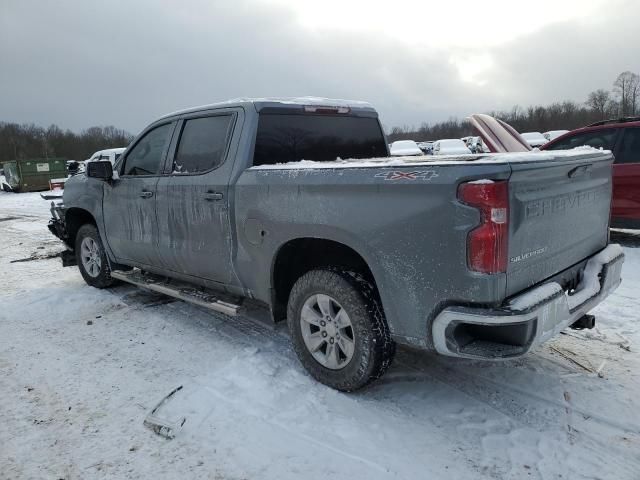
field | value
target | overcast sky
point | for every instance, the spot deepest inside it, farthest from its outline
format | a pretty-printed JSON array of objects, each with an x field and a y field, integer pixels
[{"x": 79, "y": 63}]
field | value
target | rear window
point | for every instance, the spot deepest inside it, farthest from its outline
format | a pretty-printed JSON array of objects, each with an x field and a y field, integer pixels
[{"x": 322, "y": 138}]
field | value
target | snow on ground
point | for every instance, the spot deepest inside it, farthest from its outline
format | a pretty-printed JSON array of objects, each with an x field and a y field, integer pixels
[{"x": 81, "y": 368}]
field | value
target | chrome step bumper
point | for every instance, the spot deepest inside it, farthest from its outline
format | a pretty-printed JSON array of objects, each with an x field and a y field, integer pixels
[{"x": 528, "y": 319}]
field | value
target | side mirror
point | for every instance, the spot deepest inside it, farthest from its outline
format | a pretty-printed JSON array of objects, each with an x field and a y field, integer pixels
[{"x": 101, "y": 169}]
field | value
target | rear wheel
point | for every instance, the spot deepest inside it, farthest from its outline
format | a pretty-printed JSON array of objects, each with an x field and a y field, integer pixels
[
  {"x": 91, "y": 257},
  {"x": 338, "y": 329}
]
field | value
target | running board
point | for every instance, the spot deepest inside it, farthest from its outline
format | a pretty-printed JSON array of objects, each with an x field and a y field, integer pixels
[{"x": 181, "y": 291}]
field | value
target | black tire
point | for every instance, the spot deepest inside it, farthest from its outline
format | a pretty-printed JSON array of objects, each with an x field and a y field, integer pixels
[
  {"x": 103, "y": 278},
  {"x": 374, "y": 349}
]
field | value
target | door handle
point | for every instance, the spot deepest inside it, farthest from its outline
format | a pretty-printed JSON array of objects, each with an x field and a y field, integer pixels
[
  {"x": 146, "y": 194},
  {"x": 210, "y": 196}
]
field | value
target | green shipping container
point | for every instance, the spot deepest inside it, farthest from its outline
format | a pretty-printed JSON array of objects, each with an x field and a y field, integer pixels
[{"x": 33, "y": 174}]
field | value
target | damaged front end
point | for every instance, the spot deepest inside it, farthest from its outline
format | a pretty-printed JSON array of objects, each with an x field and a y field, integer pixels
[
  {"x": 56, "y": 223},
  {"x": 58, "y": 227}
]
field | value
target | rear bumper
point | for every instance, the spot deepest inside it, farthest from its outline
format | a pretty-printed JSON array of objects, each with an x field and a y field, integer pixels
[{"x": 528, "y": 319}]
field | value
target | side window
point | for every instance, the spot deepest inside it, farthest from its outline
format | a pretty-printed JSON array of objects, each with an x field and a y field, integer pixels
[
  {"x": 564, "y": 144},
  {"x": 203, "y": 144},
  {"x": 630, "y": 149},
  {"x": 603, "y": 138},
  {"x": 145, "y": 157}
]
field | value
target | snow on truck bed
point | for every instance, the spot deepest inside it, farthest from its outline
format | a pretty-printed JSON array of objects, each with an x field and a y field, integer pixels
[{"x": 430, "y": 160}]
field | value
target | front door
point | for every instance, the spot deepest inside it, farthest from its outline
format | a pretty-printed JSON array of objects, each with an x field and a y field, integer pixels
[
  {"x": 129, "y": 205},
  {"x": 193, "y": 201},
  {"x": 626, "y": 177}
]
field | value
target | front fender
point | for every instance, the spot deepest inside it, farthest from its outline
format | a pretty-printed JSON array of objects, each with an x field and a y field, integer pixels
[{"x": 84, "y": 193}]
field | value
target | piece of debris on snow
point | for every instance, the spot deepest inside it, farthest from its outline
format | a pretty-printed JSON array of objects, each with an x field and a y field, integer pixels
[
  {"x": 163, "y": 427},
  {"x": 571, "y": 356}
]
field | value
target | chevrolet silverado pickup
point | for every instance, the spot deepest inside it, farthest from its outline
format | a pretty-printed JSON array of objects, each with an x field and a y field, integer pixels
[{"x": 295, "y": 206}]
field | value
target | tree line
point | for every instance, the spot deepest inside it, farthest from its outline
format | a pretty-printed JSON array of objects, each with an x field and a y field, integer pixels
[
  {"x": 621, "y": 101},
  {"x": 18, "y": 141}
]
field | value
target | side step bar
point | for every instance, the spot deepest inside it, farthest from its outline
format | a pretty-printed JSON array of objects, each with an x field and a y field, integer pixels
[{"x": 181, "y": 291}]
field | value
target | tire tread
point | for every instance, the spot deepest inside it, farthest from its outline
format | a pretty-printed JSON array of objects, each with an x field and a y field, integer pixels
[
  {"x": 372, "y": 363},
  {"x": 103, "y": 280}
]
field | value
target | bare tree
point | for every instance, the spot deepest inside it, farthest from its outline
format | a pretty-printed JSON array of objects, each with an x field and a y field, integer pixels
[
  {"x": 613, "y": 107},
  {"x": 31, "y": 141},
  {"x": 599, "y": 101},
  {"x": 627, "y": 89},
  {"x": 601, "y": 104},
  {"x": 634, "y": 94}
]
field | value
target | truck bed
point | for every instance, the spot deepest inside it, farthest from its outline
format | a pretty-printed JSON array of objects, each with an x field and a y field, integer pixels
[
  {"x": 404, "y": 217},
  {"x": 433, "y": 160}
]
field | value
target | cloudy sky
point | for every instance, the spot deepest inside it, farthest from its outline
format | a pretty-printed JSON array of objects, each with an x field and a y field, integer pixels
[{"x": 79, "y": 63}]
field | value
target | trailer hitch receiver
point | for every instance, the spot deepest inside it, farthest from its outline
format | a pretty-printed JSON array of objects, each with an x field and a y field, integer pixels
[{"x": 585, "y": 321}]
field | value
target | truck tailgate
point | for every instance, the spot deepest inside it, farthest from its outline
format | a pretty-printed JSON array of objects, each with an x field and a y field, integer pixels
[{"x": 559, "y": 215}]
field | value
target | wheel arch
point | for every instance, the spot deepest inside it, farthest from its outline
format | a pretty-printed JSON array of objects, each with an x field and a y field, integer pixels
[
  {"x": 297, "y": 256},
  {"x": 74, "y": 218}
]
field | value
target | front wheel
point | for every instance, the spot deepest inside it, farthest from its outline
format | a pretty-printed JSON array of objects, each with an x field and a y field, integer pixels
[
  {"x": 338, "y": 329},
  {"x": 91, "y": 257}
]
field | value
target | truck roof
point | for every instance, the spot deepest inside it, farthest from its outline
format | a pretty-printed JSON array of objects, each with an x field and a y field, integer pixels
[{"x": 281, "y": 102}]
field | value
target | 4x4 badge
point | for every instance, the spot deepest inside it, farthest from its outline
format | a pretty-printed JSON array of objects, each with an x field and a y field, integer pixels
[{"x": 424, "y": 175}]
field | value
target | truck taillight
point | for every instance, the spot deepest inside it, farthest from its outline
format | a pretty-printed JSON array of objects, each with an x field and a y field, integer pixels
[{"x": 487, "y": 244}]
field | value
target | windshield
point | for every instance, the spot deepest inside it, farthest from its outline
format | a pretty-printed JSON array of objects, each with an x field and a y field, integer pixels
[{"x": 294, "y": 137}]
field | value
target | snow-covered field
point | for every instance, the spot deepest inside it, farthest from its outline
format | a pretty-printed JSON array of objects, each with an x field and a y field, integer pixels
[{"x": 81, "y": 368}]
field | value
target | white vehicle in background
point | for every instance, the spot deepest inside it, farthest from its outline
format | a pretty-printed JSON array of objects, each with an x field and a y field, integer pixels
[
  {"x": 450, "y": 146},
  {"x": 111, "y": 154},
  {"x": 534, "y": 139},
  {"x": 403, "y": 148},
  {"x": 553, "y": 134},
  {"x": 474, "y": 144}
]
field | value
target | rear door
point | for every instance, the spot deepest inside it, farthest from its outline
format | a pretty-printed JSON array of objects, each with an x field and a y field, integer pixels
[
  {"x": 129, "y": 205},
  {"x": 193, "y": 199},
  {"x": 559, "y": 215},
  {"x": 626, "y": 177}
]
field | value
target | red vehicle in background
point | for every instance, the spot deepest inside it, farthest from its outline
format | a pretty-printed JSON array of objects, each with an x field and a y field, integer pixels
[{"x": 622, "y": 137}]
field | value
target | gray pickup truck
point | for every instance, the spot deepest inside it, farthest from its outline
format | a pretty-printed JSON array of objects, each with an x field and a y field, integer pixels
[{"x": 295, "y": 206}]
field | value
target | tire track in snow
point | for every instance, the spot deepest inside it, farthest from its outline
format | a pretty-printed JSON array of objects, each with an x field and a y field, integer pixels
[
  {"x": 302, "y": 436},
  {"x": 507, "y": 397}
]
